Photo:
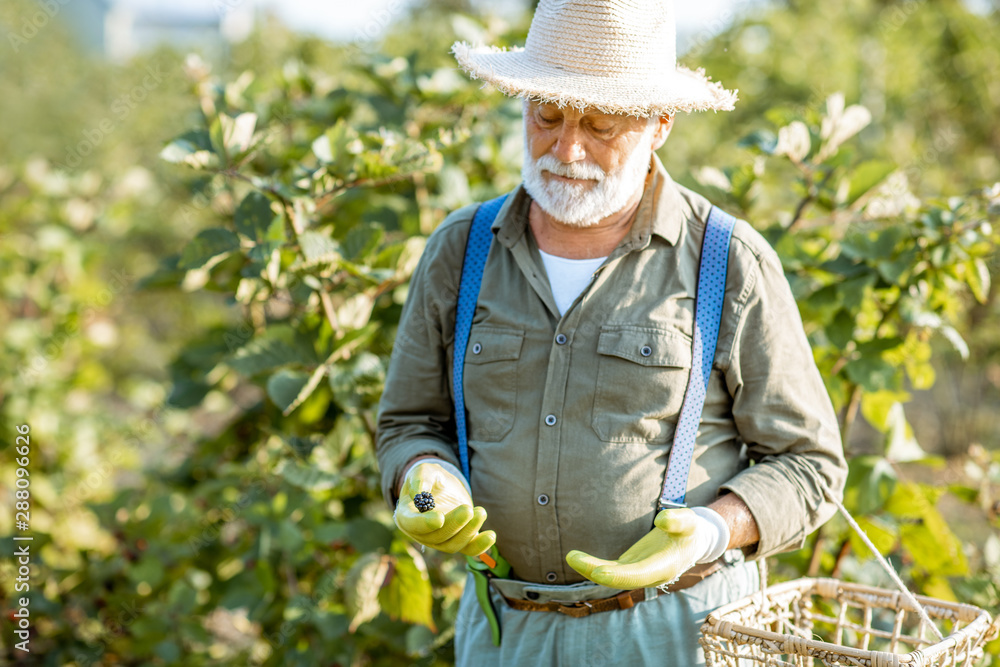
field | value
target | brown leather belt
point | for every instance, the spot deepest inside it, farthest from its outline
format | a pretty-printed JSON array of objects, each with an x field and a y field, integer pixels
[{"x": 624, "y": 600}]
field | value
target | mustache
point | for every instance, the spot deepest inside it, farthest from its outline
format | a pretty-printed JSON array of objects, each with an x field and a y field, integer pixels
[{"x": 578, "y": 170}]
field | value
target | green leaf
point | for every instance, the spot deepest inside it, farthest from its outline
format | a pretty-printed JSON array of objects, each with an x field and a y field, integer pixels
[
  {"x": 332, "y": 146},
  {"x": 317, "y": 248},
  {"x": 895, "y": 270},
  {"x": 361, "y": 588},
  {"x": 764, "y": 141},
  {"x": 409, "y": 257},
  {"x": 420, "y": 640},
  {"x": 289, "y": 536},
  {"x": 844, "y": 266},
  {"x": 358, "y": 381},
  {"x": 254, "y": 216},
  {"x": 307, "y": 477},
  {"x": 368, "y": 535},
  {"x": 278, "y": 345},
  {"x": 168, "y": 651},
  {"x": 931, "y": 543},
  {"x": 329, "y": 532},
  {"x": 866, "y": 176},
  {"x": 307, "y": 389},
  {"x": 875, "y": 245},
  {"x": 978, "y": 278},
  {"x": 921, "y": 374},
  {"x": 211, "y": 245},
  {"x": 871, "y": 373},
  {"x": 192, "y": 148},
  {"x": 363, "y": 241},
  {"x": 186, "y": 393},
  {"x": 870, "y": 482},
  {"x": 876, "y": 406},
  {"x": 148, "y": 569},
  {"x": 166, "y": 275},
  {"x": 303, "y": 447},
  {"x": 967, "y": 494},
  {"x": 182, "y": 597},
  {"x": 901, "y": 445},
  {"x": 852, "y": 292},
  {"x": 356, "y": 311},
  {"x": 408, "y": 595},
  {"x": 877, "y": 346},
  {"x": 237, "y": 133},
  {"x": 841, "y": 330},
  {"x": 284, "y": 386},
  {"x": 934, "y": 547},
  {"x": 910, "y": 500},
  {"x": 879, "y": 532},
  {"x": 331, "y": 626}
]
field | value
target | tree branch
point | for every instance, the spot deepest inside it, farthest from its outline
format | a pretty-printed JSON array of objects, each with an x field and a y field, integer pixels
[{"x": 850, "y": 415}]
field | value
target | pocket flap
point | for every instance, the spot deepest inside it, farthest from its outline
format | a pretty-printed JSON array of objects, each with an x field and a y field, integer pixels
[
  {"x": 487, "y": 344},
  {"x": 646, "y": 346}
]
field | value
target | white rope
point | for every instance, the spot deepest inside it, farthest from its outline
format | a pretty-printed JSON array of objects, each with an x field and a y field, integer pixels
[
  {"x": 762, "y": 567},
  {"x": 884, "y": 563}
]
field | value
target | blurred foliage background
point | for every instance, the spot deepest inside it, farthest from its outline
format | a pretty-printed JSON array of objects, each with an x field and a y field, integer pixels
[{"x": 202, "y": 265}]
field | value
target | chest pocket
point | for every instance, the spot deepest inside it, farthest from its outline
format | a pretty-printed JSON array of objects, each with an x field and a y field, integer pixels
[
  {"x": 491, "y": 362},
  {"x": 641, "y": 379}
]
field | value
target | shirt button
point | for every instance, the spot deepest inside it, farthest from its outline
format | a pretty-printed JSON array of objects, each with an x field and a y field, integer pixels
[
  {"x": 477, "y": 348},
  {"x": 645, "y": 350},
  {"x": 551, "y": 576},
  {"x": 543, "y": 499},
  {"x": 531, "y": 595},
  {"x": 551, "y": 420},
  {"x": 561, "y": 339}
]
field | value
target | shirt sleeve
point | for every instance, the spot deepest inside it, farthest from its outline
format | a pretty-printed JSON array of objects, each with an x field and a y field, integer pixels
[
  {"x": 783, "y": 414},
  {"x": 416, "y": 413}
]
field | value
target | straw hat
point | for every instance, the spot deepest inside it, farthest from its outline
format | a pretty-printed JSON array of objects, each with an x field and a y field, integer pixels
[{"x": 617, "y": 56}]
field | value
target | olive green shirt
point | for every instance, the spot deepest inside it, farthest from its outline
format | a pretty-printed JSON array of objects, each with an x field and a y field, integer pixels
[{"x": 571, "y": 420}]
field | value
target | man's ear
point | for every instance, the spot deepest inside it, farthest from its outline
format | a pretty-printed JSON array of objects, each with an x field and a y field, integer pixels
[{"x": 663, "y": 127}]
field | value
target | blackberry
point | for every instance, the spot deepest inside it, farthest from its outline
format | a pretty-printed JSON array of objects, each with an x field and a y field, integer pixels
[{"x": 424, "y": 501}]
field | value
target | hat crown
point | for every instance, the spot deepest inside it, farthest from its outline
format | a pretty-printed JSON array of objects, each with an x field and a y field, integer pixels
[{"x": 604, "y": 38}]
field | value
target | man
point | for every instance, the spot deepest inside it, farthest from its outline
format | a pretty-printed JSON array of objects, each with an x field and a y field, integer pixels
[{"x": 578, "y": 362}]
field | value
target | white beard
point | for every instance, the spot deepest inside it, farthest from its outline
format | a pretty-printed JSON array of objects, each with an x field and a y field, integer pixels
[{"x": 586, "y": 204}]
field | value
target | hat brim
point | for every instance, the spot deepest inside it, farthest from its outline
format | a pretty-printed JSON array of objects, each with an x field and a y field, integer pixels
[{"x": 515, "y": 74}]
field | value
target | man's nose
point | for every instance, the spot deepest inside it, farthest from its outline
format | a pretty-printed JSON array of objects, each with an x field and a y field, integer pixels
[{"x": 569, "y": 146}]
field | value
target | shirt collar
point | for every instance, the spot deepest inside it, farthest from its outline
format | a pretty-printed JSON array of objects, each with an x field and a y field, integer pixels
[{"x": 662, "y": 212}]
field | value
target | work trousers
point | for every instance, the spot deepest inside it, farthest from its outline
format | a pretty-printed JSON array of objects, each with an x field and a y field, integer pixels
[{"x": 662, "y": 630}]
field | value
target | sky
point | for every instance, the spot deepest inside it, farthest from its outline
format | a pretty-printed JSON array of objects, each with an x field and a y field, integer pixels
[
  {"x": 347, "y": 19},
  {"x": 342, "y": 19}
]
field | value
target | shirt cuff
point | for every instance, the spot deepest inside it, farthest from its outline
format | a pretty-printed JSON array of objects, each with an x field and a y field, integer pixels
[{"x": 765, "y": 489}]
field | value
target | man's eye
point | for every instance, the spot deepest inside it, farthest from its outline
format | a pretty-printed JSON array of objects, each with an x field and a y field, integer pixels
[
  {"x": 603, "y": 131},
  {"x": 548, "y": 121}
]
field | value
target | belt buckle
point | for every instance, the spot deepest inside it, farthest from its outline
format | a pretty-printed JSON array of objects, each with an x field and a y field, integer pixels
[{"x": 664, "y": 504}]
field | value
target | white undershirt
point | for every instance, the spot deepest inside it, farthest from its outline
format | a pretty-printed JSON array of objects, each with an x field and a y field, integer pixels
[{"x": 569, "y": 277}]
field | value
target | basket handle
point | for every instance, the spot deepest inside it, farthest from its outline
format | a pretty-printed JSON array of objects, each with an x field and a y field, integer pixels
[
  {"x": 762, "y": 565},
  {"x": 886, "y": 565}
]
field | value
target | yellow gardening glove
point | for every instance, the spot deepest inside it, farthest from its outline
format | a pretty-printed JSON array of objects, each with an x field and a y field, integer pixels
[
  {"x": 453, "y": 525},
  {"x": 680, "y": 538}
]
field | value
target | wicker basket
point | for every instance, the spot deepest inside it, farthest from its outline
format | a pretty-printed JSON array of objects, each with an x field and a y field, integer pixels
[{"x": 809, "y": 622}]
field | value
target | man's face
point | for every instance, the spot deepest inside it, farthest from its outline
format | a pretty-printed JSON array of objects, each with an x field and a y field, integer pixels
[{"x": 582, "y": 167}]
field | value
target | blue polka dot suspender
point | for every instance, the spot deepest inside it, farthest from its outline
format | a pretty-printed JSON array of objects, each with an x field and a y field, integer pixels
[
  {"x": 476, "y": 250},
  {"x": 707, "y": 318},
  {"x": 708, "y": 315}
]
